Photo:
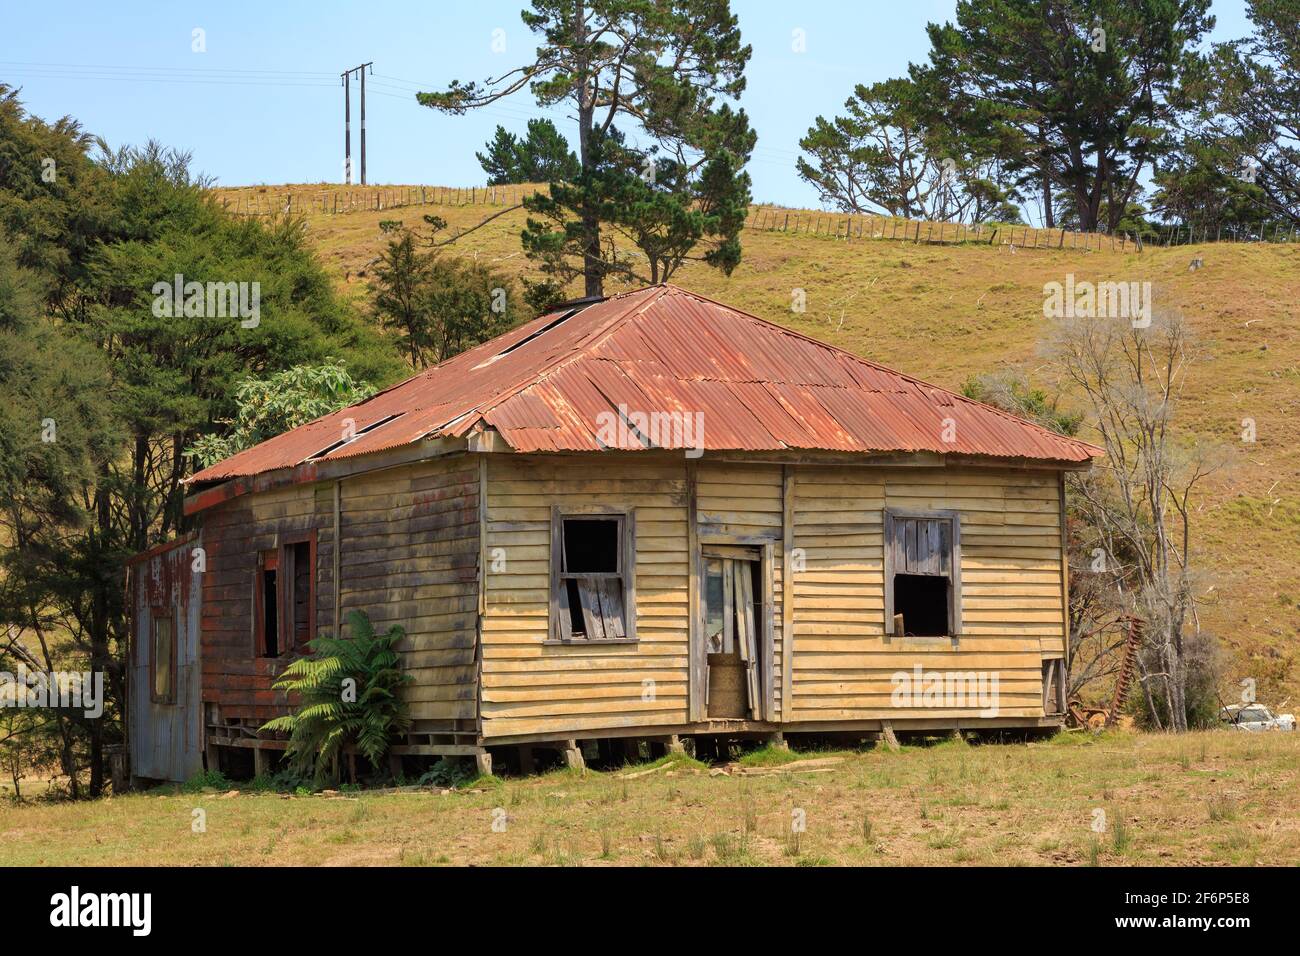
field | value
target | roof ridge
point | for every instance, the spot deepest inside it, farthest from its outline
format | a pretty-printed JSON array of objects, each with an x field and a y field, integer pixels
[{"x": 885, "y": 368}]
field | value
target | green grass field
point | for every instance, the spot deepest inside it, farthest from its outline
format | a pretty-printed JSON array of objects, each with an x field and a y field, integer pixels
[{"x": 1209, "y": 797}]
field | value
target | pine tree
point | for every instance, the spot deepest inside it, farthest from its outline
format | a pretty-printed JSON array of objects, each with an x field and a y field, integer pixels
[
  {"x": 542, "y": 156},
  {"x": 658, "y": 66}
]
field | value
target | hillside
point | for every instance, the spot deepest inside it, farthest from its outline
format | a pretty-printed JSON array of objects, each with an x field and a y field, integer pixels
[{"x": 947, "y": 312}]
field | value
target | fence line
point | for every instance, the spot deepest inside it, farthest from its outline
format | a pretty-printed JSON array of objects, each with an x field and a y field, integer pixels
[
  {"x": 367, "y": 199},
  {"x": 847, "y": 226},
  {"x": 833, "y": 225}
]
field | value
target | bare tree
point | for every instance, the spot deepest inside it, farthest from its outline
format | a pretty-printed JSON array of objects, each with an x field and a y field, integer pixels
[{"x": 1136, "y": 500}]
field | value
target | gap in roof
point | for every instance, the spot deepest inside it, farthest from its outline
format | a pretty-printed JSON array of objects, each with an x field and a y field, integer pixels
[
  {"x": 528, "y": 338},
  {"x": 335, "y": 446}
]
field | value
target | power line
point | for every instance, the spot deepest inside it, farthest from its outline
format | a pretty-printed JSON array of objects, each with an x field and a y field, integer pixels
[
  {"x": 161, "y": 69},
  {"x": 386, "y": 85}
]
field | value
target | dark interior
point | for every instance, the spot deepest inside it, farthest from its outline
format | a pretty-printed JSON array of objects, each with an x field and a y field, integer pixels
[
  {"x": 922, "y": 599},
  {"x": 590, "y": 545},
  {"x": 576, "y": 624},
  {"x": 270, "y": 614}
]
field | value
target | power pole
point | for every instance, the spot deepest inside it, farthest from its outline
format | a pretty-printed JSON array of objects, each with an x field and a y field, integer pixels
[
  {"x": 363, "y": 125},
  {"x": 347, "y": 128},
  {"x": 347, "y": 120}
]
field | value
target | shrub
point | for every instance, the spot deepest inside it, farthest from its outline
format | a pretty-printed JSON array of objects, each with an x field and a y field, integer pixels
[{"x": 348, "y": 697}]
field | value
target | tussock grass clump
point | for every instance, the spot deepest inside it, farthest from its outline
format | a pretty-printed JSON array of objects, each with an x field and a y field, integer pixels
[{"x": 1220, "y": 808}]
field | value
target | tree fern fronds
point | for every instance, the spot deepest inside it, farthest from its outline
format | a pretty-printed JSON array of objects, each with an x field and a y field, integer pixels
[{"x": 347, "y": 691}]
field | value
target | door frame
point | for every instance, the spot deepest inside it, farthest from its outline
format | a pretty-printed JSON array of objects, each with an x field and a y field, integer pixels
[{"x": 749, "y": 548}]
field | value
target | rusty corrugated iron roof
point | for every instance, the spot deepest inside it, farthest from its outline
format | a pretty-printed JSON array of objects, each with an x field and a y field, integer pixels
[{"x": 557, "y": 383}]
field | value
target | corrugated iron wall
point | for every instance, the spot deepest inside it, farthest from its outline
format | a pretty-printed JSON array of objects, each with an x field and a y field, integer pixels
[{"x": 166, "y": 739}]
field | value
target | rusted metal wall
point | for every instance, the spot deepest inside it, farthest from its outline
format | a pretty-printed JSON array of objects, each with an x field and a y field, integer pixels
[{"x": 166, "y": 739}]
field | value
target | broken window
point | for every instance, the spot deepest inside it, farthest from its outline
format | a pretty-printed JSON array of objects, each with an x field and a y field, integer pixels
[
  {"x": 267, "y": 605},
  {"x": 163, "y": 660},
  {"x": 592, "y": 557},
  {"x": 922, "y": 574},
  {"x": 285, "y": 597}
]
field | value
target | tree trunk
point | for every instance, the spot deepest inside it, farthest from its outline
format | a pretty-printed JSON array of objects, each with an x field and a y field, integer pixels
[
  {"x": 1048, "y": 212},
  {"x": 591, "y": 271}
]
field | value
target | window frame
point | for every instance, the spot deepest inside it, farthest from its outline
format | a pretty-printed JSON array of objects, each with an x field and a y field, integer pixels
[
  {"x": 626, "y": 556},
  {"x": 162, "y": 614},
  {"x": 259, "y": 603},
  {"x": 280, "y": 560},
  {"x": 890, "y": 517}
]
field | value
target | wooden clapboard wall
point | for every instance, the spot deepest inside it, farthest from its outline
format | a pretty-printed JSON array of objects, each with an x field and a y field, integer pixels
[
  {"x": 410, "y": 553},
  {"x": 532, "y": 687},
  {"x": 410, "y": 556},
  {"x": 1011, "y": 586},
  {"x": 233, "y": 534}
]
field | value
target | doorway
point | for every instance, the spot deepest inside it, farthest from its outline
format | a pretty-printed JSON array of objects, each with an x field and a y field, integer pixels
[{"x": 733, "y": 633}]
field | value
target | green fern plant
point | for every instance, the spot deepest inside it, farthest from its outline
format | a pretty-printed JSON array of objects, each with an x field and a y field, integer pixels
[{"x": 348, "y": 696}]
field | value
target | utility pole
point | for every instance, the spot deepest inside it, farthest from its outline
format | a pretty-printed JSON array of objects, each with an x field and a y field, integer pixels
[
  {"x": 363, "y": 125},
  {"x": 347, "y": 129},
  {"x": 347, "y": 120}
]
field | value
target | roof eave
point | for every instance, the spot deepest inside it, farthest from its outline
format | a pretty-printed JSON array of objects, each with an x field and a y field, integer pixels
[{"x": 323, "y": 470}]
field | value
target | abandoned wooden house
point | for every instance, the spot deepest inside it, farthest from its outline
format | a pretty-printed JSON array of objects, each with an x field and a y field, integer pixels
[{"x": 640, "y": 518}]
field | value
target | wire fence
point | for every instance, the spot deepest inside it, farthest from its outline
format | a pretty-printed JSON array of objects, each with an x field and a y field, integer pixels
[
  {"x": 865, "y": 226},
  {"x": 346, "y": 199},
  {"x": 842, "y": 226}
]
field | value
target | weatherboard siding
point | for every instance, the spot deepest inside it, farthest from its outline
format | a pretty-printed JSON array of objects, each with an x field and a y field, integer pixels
[
  {"x": 530, "y": 686},
  {"x": 234, "y": 677},
  {"x": 410, "y": 543},
  {"x": 409, "y": 556},
  {"x": 1011, "y": 588},
  {"x": 411, "y": 550}
]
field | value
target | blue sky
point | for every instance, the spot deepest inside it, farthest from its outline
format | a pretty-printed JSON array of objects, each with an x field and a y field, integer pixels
[{"x": 264, "y": 103}]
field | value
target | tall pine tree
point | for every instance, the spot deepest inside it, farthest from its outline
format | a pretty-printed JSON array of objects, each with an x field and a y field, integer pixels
[{"x": 661, "y": 69}]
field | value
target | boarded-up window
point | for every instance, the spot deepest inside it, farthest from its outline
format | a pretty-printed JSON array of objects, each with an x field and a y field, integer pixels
[
  {"x": 922, "y": 574},
  {"x": 163, "y": 659},
  {"x": 592, "y": 559},
  {"x": 298, "y": 603}
]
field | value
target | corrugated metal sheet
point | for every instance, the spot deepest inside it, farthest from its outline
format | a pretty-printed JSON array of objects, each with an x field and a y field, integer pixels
[
  {"x": 758, "y": 386},
  {"x": 166, "y": 739}
]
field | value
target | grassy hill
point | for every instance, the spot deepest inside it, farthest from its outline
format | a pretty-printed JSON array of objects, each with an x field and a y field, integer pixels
[{"x": 947, "y": 312}]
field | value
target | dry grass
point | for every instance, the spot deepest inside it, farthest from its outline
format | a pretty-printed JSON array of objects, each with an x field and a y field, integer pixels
[{"x": 1213, "y": 797}]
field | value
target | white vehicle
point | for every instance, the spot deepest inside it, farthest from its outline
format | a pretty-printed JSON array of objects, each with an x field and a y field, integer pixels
[{"x": 1255, "y": 717}]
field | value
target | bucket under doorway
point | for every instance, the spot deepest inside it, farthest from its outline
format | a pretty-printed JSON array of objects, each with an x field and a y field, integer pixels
[{"x": 732, "y": 613}]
